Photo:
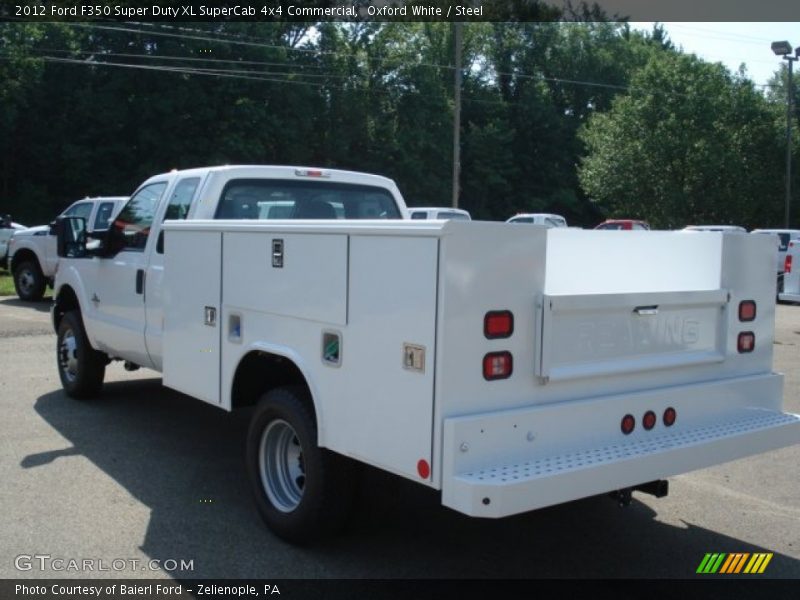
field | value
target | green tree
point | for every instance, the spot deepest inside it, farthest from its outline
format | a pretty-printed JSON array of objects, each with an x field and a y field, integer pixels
[{"x": 689, "y": 143}]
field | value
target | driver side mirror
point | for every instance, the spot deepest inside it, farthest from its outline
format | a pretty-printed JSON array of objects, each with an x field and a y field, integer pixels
[{"x": 70, "y": 237}]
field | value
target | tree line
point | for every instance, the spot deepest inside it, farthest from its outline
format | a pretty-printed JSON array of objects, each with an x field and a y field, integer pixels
[{"x": 586, "y": 118}]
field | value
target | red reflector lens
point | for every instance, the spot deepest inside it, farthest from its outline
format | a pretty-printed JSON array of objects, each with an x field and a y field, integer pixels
[
  {"x": 787, "y": 264},
  {"x": 649, "y": 420},
  {"x": 497, "y": 365},
  {"x": 498, "y": 324},
  {"x": 423, "y": 468},
  {"x": 628, "y": 423},
  {"x": 746, "y": 342},
  {"x": 747, "y": 310},
  {"x": 669, "y": 416}
]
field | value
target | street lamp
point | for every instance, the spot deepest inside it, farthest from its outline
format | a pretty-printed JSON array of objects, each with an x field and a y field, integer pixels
[{"x": 784, "y": 49}]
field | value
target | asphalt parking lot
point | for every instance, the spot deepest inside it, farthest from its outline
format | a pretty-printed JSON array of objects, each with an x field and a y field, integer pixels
[{"x": 148, "y": 474}]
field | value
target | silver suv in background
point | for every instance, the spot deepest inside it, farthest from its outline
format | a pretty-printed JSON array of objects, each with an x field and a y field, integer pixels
[{"x": 32, "y": 257}]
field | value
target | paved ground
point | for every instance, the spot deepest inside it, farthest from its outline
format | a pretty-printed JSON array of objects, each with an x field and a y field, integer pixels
[{"x": 148, "y": 474}]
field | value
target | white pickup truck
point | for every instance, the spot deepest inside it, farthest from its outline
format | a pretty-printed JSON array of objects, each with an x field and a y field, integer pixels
[
  {"x": 790, "y": 290},
  {"x": 32, "y": 257},
  {"x": 497, "y": 364}
]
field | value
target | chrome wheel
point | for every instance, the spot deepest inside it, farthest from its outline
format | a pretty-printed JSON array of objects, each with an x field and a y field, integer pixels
[
  {"x": 68, "y": 355},
  {"x": 280, "y": 462},
  {"x": 26, "y": 281}
]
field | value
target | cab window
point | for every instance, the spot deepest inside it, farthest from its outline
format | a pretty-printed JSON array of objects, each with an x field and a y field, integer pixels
[
  {"x": 181, "y": 199},
  {"x": 133, "y": 223},
  {"x": 82, "y": 210},
  {"x": 103, "y": 218}
]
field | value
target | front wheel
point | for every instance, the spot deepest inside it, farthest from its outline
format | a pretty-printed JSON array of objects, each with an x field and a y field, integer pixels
[
  {"x": 29, "y": 282},
  {"x": 303, "y": 492},
  {"x": 80, "y": 367}
]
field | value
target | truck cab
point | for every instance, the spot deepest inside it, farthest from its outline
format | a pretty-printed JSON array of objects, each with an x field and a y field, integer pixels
[{"x": 122, "y": 300}]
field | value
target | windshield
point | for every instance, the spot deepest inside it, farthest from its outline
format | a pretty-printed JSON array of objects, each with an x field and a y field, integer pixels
[{"x": 290, "y": 199}]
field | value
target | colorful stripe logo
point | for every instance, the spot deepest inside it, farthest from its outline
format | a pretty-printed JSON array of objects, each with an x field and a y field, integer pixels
[{"x": 734, "y": 563}]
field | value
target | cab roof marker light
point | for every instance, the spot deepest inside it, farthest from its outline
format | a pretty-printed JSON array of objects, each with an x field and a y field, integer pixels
[{"x": 311, "y": 173}]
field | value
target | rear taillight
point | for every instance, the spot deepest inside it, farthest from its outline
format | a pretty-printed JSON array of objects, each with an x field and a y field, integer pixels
[
  {"x": 787, "y": 264},
  {"x": 498, "y": 324},
  {"x": 628, "y": 424},
  {"x": 497, "y": 365},
  {"x": 669, "y": 417},
  {"x": 746, "y": 342},
  {"x": 649, "y": 420},
  {"x": 747, "y": 310}
]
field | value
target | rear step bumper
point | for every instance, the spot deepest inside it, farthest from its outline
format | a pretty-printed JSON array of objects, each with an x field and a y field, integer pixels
[{"x": 498, "y": 488}]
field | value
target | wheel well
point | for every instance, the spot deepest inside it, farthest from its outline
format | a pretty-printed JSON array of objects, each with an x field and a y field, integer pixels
[
  {"x": 21, "y": 255},
  {"x": 66, "y": 301},
  {"x": 259, "y": 372}
]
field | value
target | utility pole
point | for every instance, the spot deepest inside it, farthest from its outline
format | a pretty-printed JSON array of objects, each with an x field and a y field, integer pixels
[
  {"x": 784, "y": 49},
  {"x": 457, "y": 26},
  {"x": 789, "y": 111}
]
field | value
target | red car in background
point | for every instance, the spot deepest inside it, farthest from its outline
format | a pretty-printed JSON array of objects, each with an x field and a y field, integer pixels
[{"x": 624, "y": 224}]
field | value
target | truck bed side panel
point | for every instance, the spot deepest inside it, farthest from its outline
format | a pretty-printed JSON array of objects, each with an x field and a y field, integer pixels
[
  {"x": 191, "y": 314},
  {"x": 388, "y": 404}
]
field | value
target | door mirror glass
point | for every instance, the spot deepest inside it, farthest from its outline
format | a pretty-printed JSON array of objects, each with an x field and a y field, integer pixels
[{"x": 71, "y": 237}]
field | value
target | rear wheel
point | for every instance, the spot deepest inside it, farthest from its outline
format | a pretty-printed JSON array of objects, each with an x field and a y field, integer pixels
[
  {"x": 80, "y": 367},
  {"x": 303, "y": 492},
  {"x": 29, "y": 282}
]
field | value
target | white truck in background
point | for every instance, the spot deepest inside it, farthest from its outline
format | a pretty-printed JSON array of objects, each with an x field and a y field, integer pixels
[
  {"x": 492, "y": 363},
  {"x": 790, "y": 291},
  {"x": 7, "y": 230},
  {"x": 32, "y": 257}
]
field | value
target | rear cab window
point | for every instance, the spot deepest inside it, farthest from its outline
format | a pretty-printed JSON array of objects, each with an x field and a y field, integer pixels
[{"x": 289, "y": 199}]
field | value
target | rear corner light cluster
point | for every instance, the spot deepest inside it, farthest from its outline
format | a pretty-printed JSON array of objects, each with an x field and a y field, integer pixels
[
  {"x": 747, "y": 311},
  {"x": 649, "y": 420},
  {"x": 497, "y": 365},
  {"x": 787, "y": 264},
  {"x": 746, "y": 341},
  {"x": 498, "y": 324}
]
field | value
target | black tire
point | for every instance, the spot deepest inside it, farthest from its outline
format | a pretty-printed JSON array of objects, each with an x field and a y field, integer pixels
[
  {"x": 80, "y": 367},
  {"x": 29, "y": 282},
  {"x": 319, "y": 484}
]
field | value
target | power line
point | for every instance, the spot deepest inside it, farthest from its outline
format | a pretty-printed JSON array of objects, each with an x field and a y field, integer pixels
[{"x": 102, "y": 54}]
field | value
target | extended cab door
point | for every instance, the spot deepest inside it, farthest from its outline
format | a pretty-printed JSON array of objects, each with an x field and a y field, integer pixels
[
  {"x": 116, "y": 289},
  {"x": 177, "y": 208}
]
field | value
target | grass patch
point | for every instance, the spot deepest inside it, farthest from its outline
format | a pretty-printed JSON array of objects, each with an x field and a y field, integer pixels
[{"x": 6, "y": 284}]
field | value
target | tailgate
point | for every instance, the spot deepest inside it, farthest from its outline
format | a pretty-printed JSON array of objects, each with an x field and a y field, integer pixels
[{"x": 593, "y": 335}]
